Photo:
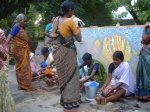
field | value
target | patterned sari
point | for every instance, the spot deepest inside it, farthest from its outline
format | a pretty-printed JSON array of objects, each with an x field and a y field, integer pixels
[
  {"x": 143, "y": 74},
  {"x": 20, "y": 50},
  {"x": 66, "y": 65},
  {"x": 6, "y": 101},
  {"x": 100, "y": 75}
]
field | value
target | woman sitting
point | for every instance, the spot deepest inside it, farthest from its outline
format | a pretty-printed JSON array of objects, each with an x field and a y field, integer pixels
[
  {"x": 123, "y": 83},
  {"x": 96, "y": 70},
  {"x": 48, "y": 72}
]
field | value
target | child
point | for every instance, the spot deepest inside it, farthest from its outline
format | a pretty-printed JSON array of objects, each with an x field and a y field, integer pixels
[{"x": 48, "y": 72}]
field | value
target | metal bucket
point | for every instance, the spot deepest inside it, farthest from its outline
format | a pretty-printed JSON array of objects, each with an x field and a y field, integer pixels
[{"x": 91, "y": 91}]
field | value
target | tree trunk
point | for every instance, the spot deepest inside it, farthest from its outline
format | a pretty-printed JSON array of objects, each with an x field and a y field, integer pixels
[{"x": 137, "y": 21}]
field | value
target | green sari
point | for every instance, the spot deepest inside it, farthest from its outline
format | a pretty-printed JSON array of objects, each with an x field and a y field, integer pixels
[{"x": 100, "y": 75}]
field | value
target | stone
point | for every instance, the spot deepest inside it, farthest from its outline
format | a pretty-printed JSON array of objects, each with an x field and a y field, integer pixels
[{"x": 108, "y": 107}]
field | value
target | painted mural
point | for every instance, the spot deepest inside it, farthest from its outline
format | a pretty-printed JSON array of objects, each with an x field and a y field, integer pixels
[{"x": 102, "y": 42}]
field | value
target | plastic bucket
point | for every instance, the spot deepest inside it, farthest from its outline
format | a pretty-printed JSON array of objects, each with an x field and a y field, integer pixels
[{"x": 91, "y": 89}]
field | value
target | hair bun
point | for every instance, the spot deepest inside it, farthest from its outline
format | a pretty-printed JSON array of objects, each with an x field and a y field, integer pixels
[{"x": 61, "y": 13}]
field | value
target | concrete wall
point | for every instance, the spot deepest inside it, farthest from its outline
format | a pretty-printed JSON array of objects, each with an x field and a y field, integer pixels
[{"x": 102, "y": 42}]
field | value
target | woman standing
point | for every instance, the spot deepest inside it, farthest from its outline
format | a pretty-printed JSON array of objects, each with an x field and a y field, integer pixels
[
  {"x": 65, "y": 55},
  {"x": 143, "y": 67},
  {"x": 6, "y": 102},
  {"x": 20, "y": 51}
]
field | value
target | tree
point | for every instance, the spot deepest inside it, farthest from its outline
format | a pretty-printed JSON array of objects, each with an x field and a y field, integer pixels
[
  {"x": 9, "y": 6},
  {"x": 139, "y": 10},
  {"x": 92, "y": 12}
]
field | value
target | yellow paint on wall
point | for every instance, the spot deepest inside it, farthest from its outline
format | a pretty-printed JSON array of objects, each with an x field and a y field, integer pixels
[
  {"x": 97, "y": 43},
  {"x": 110, "y": 45}
]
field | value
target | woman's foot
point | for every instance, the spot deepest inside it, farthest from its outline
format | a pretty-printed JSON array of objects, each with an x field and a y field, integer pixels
[
  {"x": 32, "y": 89},
  {"x": 98, "y": 98},
  {"x": 49, "y": 82},
  {"x": 103, "y": 100},
  {"x": 71, "y": 110},
  {"x": 19, "y": 88}
]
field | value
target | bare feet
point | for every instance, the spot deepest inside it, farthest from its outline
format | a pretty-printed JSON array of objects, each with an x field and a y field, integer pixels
[
  {"x": 71, "y": 110},
  {"x": 103, "y": 100},
  {"x": 48, "y": 81},
  {"x": 98, "y": 98},
  {"x": 32, "y": 89}
]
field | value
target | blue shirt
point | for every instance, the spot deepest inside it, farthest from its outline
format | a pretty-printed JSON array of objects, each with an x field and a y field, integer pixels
[
  {"x": 48, "y": 26},
  {"x": 15, "y": 29}
]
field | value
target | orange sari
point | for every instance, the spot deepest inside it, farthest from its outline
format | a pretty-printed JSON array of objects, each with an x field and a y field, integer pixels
[{"x": 20, "y": 50}]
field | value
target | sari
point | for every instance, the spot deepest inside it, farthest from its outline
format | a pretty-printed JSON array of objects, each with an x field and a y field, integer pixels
[
  {"x": 6, "y": 100},
  {"x": 20, "y": 51},
  {"x": 66, "y": 65},
  {"x": 124, "y": 75},
  {"x": 143, "y": 74},
  {"x": 100, "y": 75}
]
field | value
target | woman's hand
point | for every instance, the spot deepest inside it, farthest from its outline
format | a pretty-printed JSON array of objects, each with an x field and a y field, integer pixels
[
  {"x": 103, "y": 87},
  {"x": 111, "y": 89},
  {"x": 82, "y": 80}
]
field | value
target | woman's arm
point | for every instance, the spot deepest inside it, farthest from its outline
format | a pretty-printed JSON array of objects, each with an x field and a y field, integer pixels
[
  {"x": 76, "y": 31},
  {"x": 9, "y": 37},
  {"x": 3, "y": 56},
  {"x": 15, "y": 29},
  {"x": 81, "y": 66},
  {"x": 47, "y": 34},
  {"x": 78, "y": 36},
  {"x": 115, "y": 87},
  {"x": 89, "y": 77},
  {"x": 108, "y": 80},
  {"x": 145, "y": 38}
]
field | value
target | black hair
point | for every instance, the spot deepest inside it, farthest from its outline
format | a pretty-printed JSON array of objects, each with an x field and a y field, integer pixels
[
  {"x": 148, "y": 18},
  {"x": 119, "y": 54},
  {"x": 45, "y": 50},
  {"x": 87, "y": 56},
  {"x": 65, "y": 7}
]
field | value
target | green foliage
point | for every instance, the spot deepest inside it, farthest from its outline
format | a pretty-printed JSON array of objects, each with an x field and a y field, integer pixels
[
  {"x": 139, "y": 10},
  {"x": 92, "y": 12},
  {"x": 3, "y": 24},
  {"x": 34, "y": 30}
]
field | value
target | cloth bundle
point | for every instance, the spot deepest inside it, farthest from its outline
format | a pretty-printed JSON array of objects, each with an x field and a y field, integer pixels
[{"x": 78, "y": 22}]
